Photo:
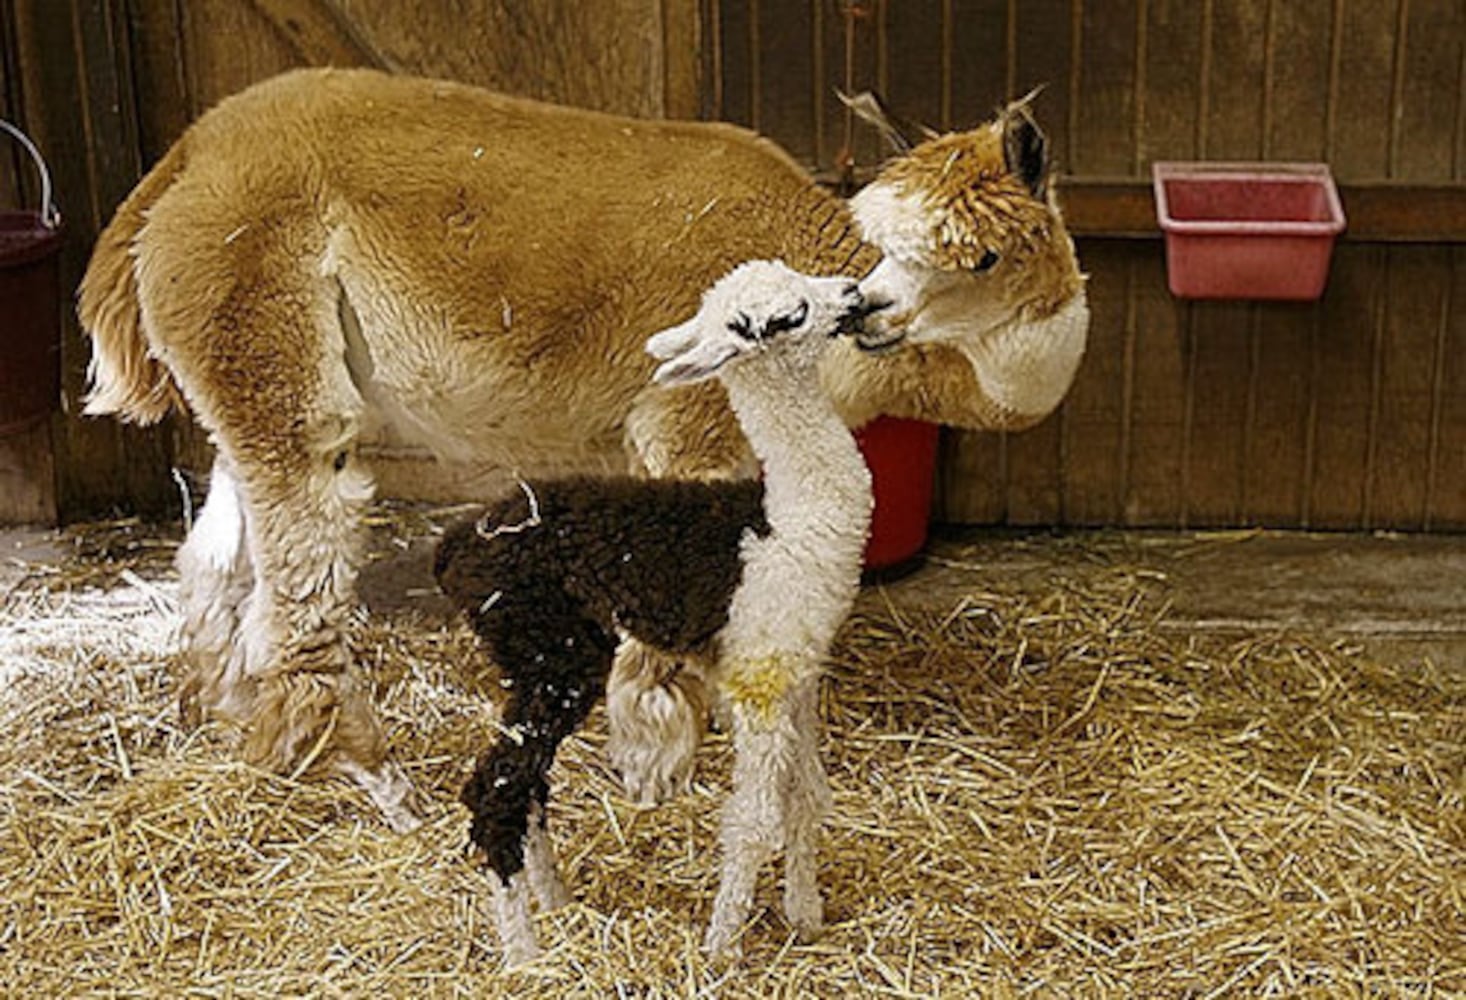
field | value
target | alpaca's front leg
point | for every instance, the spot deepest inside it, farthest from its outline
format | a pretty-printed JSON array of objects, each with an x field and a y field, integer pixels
[{"x": 809, "y": 804}]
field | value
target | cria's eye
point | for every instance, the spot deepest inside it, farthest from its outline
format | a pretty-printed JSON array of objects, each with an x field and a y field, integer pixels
[
  {"x": 742, "y": 326},
  {"x": 791, "y": 320},
  {"x": 989, "y": 258}
]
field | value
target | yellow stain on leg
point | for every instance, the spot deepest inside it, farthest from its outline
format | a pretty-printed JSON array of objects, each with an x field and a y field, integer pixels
[{"x": 757, "y": 686}]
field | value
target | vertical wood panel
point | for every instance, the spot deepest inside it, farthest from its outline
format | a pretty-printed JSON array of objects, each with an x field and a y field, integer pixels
[
  {"x": 1278, "y": 436},
  {"x": 913, "y": 69},
  {"x": 1359, "y": 145},
  {"x": 1157, "y": 413},
  {"x": 979, "y": 59},
  {"x": 11, "y": 168},
  {"x": 1094, "y": 409},
  {"x": 1351, "y": 309},
  {"x": 1446, "y": 500},
  {"x": 785, "y": 105},
  {"x": 1431, "y": 92},
  {"x": 1217, "y": 387},
  {"x": 1102, "y": 142},
  {"x": 1172, "y": 87},
  {"x": 1042, "y": 50},
  {"x": 738, "y": 61},
  {"x": 1419, "y": 278},
  {"x": 854, "y": 69},
  {"x": 73, "y": 72},
  {"x": 1277, "y": 443},
  {"x": 230, "y": 45}
]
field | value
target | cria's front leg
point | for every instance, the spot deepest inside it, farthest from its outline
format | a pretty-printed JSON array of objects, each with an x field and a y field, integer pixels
[
  {"x": 755, "y": 818},
  {"x": 809, "y": 804},
  {"x": 657, "y": 709}
]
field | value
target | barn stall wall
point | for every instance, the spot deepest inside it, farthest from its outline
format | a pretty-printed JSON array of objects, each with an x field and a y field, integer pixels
[{"x": 1349, "y": 413}]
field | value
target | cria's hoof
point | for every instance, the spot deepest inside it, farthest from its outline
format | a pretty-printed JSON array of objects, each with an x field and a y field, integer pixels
[{"x": 722, "y": 946}]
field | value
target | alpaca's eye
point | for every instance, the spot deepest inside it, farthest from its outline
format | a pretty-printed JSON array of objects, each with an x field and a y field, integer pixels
[
  {"x": 989, "y": 258},
  {"x": 791, "y": 320},
  {"x": 742, "y": 326}
]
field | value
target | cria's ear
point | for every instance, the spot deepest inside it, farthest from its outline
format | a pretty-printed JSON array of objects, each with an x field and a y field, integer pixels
[
  {"x": 672, "y": 341},
  {"x": 1025, "y": 149},
  {"x": 900, "y": 132},
  {"x": 701, "y": 361}
]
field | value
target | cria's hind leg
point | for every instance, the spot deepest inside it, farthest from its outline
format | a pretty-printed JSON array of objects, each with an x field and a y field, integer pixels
[
  {"x": 657, "y": 709},
  {"x": 557, "y": 662},
  {"x": 540, "y": 864},
  {"x": 215, "y": 580}
]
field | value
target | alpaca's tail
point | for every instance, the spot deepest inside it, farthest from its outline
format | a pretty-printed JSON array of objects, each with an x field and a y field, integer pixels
[{"x": 126, "y": 378}]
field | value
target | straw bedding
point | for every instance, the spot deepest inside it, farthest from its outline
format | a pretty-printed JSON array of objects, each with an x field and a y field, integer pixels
[{"x": 1039, "y": 791}]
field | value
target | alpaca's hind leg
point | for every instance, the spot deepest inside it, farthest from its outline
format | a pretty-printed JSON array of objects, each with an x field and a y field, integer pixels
[
  {"x": 251, "y": 330},
  {"x": 215, "y": 580},
  {"x": 809, "y": 804},
  {"x": 657, "y": 709}
]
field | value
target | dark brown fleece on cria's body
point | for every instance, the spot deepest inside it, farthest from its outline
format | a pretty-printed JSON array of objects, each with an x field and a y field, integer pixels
[{"x": 656, "y": 558}]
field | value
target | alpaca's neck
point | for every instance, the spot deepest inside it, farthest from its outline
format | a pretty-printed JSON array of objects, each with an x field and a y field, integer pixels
[{"x": 816, "y": 485}]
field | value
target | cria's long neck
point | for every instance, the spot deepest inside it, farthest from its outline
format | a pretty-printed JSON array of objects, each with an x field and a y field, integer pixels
[{"x": 815, "y": 480}]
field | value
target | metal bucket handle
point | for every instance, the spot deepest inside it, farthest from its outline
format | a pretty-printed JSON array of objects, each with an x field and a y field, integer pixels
[{"x": 50, "y": 216}]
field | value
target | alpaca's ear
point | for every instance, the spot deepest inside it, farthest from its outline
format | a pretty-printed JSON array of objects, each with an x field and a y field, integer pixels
[
  {"x": 1025, "y": 149},
  {"x": 901, "y": 133},
  {"x": 700, "y": 362}
]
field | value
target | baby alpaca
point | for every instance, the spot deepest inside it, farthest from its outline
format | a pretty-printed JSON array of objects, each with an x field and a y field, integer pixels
[{"x": 754, "y": 579}]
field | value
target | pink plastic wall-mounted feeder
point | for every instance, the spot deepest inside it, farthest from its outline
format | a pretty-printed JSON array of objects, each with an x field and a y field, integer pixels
[{"x": 1247, "y": 230}]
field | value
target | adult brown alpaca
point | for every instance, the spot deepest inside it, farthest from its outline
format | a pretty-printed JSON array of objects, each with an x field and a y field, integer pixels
[{"x": 333, "y": 250}]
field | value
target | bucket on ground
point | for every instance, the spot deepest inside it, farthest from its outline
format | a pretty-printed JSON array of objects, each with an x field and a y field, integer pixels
[
  {"x": 902, "y": 457},
  {"x": 30, "y": 304}
]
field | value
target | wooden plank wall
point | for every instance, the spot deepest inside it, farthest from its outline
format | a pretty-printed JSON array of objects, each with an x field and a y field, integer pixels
[{"x": 1349, "y": 413}]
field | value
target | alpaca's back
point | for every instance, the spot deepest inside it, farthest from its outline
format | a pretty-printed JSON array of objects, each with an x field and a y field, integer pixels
[{"x": 656, "y": 558}]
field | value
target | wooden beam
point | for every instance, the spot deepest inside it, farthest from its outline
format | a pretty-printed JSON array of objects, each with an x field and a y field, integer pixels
[{"x": 1376, "y": 212}]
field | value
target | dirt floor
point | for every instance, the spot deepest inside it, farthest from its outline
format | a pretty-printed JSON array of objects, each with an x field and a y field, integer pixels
[{"x": 1197, "y": 764}]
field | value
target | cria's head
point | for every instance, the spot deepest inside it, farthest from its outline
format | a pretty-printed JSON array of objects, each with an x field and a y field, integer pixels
[{"x": 759, "y": 311}]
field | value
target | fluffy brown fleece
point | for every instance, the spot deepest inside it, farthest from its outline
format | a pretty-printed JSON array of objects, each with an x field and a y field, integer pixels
[{"x": 580, "y": 562}]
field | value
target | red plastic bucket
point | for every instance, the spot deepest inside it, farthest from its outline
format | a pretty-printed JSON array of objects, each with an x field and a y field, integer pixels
[
  {"x": 902, "y": 456},
  {"x": 30, "y": 302},
  {"x": 1247, "y": 230}
]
